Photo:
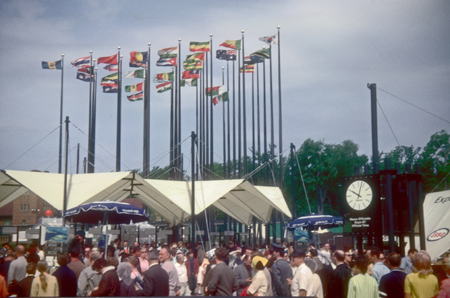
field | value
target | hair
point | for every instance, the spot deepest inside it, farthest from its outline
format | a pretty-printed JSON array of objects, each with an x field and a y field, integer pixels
[
  {"x": 99, "y": 264},
  {"x": 362, "y": 263},
  {"x": 31, "y": 268},
  {"x": 375, "y": 252},
  {"x": 113, "y": 262},
  {"x": 422, "y": 264},
  {"x": 180, "y": 257},
  {"x": 394, "y": 259},
  {"x": 10, "y": 256},
  {"x": 93, "y": 256},
  {"x": 314, "y": 252},
  {"x": 75, "y": 252},
  {"x": 42, "y": 267},
  {"x": 20, "y": 249},
  {"x": 189, "y": 252},
  {"x": 339, "y": 256},
  {"x": 133, "y": 261},
  {"x": 412, "y": 250},
  {"x": 63, "y": 259},
  {"x": 33, "y": 258},
  {"x": 257, "y": 254},
  {"x": 221, "y": 254},
  {"x": 136, "y": 249}
]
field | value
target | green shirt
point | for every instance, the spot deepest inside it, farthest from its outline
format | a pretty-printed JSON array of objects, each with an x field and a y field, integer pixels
[{"x": 363, "y": 285}]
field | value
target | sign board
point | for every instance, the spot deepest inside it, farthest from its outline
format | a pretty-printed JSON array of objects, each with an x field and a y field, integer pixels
[
  {"x": 186, "y": 231},
  {"x": 243, "y": 234},
  {"x": 58, "y": 234},
  {"x": 228, "y": 233},
  {"x": 215, "y": 234},
  {"x": 30, "y": 235},
  {"x": 53, "y": 248},
  {"x": 9, "y": 230},
  {"x": 166, "y": 232},
  {"x": 114, "y": 232},
  {"x": 201, "y": 233}
]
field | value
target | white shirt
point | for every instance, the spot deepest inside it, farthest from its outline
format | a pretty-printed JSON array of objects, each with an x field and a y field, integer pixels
[
  {"x": 302, "y": 280},
  {"x": 182, "y": 272},
  {"x": 317, "y": 287}
]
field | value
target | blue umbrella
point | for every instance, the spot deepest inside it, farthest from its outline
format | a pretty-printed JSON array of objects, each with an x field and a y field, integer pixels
[{"x": 315, "y": 220}]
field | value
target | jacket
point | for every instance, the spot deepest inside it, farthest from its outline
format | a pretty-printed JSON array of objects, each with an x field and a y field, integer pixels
[
  {"x": 188, "y": 267},
  {"x": 67, "y": 281},
  {"x": 156, "y": 282},
  {"x": 109, "y": 284},
  {"x": 338, "y": 284},
  {"x": 88, "y": 280},
  {"x": 281, "y": 271},
  {"x": 242, "y": 274}
]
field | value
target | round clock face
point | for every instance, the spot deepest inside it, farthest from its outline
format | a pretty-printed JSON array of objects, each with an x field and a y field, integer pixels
[{"x": 359, "y": 195}]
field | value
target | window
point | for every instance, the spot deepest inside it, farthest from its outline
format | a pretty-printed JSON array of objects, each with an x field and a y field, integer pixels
[
  {"x": 21, "y": 207},
  {"x": 7, "y": 222},
  {"x": 24, "y": 222}
]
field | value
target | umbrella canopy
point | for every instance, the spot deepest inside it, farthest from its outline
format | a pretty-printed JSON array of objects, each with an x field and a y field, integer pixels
[
  {"x": 118, "y": 213},
  {"x": 315, "y": 220}
]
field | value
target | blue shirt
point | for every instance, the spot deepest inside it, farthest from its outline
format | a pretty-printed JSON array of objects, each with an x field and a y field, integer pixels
[
  {"x": 379, "y": 270},
  {"x": 406, "y": 265}
]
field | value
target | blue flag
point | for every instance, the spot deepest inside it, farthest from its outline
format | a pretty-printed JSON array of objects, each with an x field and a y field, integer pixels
[
  {"x": 107, "y": 89},
  {"x": 229, "y": 55},
  {"x": 51, "y": 65},
  {"x": 83, "y": 76}
]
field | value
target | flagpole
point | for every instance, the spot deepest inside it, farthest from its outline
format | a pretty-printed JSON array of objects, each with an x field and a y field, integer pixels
[
  {"x": 175, "y": 131},
  {"x": 61, "y": 116},
  {"x": 171, "y": 164},
  {"x": 94, "y": 114},
  {"x": 197, "y": 106},
  {"x": 244, "y": 112},
  {"x": 90, "y": 165},
  {"x": 224, "y": 130},
  {"x": 119, "y": 111},
  {"x": 272, "y": 133},
  {"x": 266, "y": 166},
  {"x": 280, "y": 115},
  {"x": 258, "y": 120},
  {"x": 253, "y": 121},
  {"x": 206, "y": 115},
  {"x": 234, "y": 124},
  {"x": 146, "y": 166},
  {"x": 180, "y": 161},
  {"x": 211, "y": 109},
  {"x": 228, "y": 123},
  {"x": 239, "y": 115},
  {"x": 202, "y": 126}
]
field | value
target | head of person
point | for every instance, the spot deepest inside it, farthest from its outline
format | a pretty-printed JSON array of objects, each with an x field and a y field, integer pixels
[
  {"x": 230, "y": 244},
  {"x": 136, "y": 243},
  {"x": 99, "y": 265},
  {"x": 375, "y": 254},
  {"x": 247, "y": 261},
  {"x": 124, "y": 273},
  {"x": 63, "y": 259},
  {"x": 412, "y": 253},
  {"x": 314, "y": 252},
  {"x": 153, "y": 256},
  {"x": 125, "y": 243},
  {"x": 80, "y": 235},
  {"x": 87, "y": 251},
  {"x": 20, "y": 251},
  {"x": 221, "y": 254},
  {"x": 190, "y": 254},
  {"x": 42, "y": 267},
  {"x": 311, "y": 265},
  {"x": 136, "y": 251},
  {"x": 75, "y": 253},
  {"x": 164, "y": 254},
  {"x": 339, "y": 255},
  {"x": 259, "y": 262},
  {"x": 10, "y": 257},
  {"x": 180, "y": 244},
  {"x": 31, "y": 268},
  {"x": 248, "y": 251},
  {"x": 298, "y": 257},
  {"x": 422, "y": 264},
  {"x": 348, "y": 257},
  {"x": 327, "y": 246},
  {"x": 94, "y": 256},
  {"x": 113, "y": 262},
  {"x": 133, "y": 261},
  {"x": 180, "y": 258},
  {"x": 362, "y": 263},
  {"x": 144, "y": 252},
  {"x": 33, "y": 258},
  {"x": 394, "y": 260}
]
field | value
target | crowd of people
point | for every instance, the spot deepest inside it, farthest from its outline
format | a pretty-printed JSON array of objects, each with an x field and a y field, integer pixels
[{"x": 226, "y": 270}]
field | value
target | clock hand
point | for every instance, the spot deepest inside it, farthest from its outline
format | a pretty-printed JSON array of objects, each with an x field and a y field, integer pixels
[
  {"x": 354, "y": 193},
  {"x": 360, "y": 186}
]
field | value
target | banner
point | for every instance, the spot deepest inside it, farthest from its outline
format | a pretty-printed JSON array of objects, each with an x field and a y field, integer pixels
[{"x": 436, "y": 212}]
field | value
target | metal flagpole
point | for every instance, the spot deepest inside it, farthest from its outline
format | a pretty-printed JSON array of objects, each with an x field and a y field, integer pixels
[
  {"x": 206, "y": 116},
  {"x": 228, "y": 124},
  {"x": 211, "y": 110},
  {"x": 239, "y": 115},
  {"x": 244, "y": 112},
  {"x": 258, "y": 120},
  {"x": 280, "y": 115},
  {"x": 197, "y": 107},
  {"x": 272, "y": 133},
  {"x": 78, "y": 158},
  {"x": 224, "y": 129},
  {"x": 94, "y": 115},
  {"x": 266, "y": 166},
  {"x": 119, "y": 112},
  {"x": 90, "y": 164},
  {"x": 180, "y": 160},
  {"x": 175, "y": 128},
  {"x": 253, "y": 123},
  {"x": 61, "y": 116},
  {"x": 146, "y": 166},
  {"x": 201, "y": 137},
  {"x": 65, "y": 168},
  {"x": 171, "y": 164},
  {"x": 234, "y": 125}
]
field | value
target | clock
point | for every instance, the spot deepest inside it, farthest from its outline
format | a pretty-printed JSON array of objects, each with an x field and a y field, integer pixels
[{"x": 359, "y": 195}]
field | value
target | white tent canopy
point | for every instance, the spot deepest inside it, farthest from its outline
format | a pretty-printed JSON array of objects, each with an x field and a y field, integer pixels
[{"x": 170, "y": 199}]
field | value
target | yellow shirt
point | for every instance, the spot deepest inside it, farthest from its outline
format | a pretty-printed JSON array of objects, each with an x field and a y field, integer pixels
[{"x": 421, "y": 287}]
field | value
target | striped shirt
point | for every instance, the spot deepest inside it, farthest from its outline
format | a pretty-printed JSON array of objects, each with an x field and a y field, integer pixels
[{"x": 363, "y": 286}]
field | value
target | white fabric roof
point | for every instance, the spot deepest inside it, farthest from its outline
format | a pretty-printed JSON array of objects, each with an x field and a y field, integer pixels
[{"x": 170, "y": 199}]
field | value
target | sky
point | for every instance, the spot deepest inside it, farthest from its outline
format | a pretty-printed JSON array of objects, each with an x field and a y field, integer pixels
[{"x": 330, "y": 51}]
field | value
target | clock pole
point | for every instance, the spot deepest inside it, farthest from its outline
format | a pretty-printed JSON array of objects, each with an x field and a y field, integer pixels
[{"x": 373, "y": 103}]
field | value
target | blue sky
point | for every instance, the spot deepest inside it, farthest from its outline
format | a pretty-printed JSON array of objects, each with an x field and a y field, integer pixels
[{"x": 330, "y": 50}]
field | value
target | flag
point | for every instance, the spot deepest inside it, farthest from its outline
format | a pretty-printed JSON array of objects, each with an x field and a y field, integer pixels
[
  {"x": 260, "y": 54},
  {"x": 107, "y": 89},
  {"x": 249, "y": 68},
  {"x": 217, "y": 90},
  {"x": 234, "y": 44},
  {"x": 166, "y": 62},
  {"x": 229, "y": 55},
  {"x": 168, "y": 52},
  {"x": 83, "y": 76},
  {"x": 188, "y": 83},
  {"x": 193, "y": 65},
  {"x": 221, "y": 98},
  {"x": 51, "y": 65},
  {"x": 195, "y": 46},
  {"x": 272, "y": 39},
  {"x": 138, "y": 73},
  {"x": 85, "y": 69},
  {"x": 113, "y": 76},
  {"x": 137, "y": 96},
  {"x": 164, "y": 87},
  {"x": 163, "y": 77},
  {"x": 196, "y": 57},
  {"x": 112, "y": 67},
  {"x": 134, "y": 88},
  {"x": 80, "y": 62},
  {"x": 108, "y": 60},
  {"x": 247, "y": 60},
  {"x": 191, "y": 74},
  {"x": 138, "y": 59},
  {"x": 109, "y": 83}
]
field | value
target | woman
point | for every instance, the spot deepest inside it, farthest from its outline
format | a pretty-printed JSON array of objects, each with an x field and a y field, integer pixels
[
  {"x": 44, "y": 285},
  {"x": 143, "y": 259},
  {"x": 317, "y": 287},
  {"x": 201, "y": 275},
  {"x": 135, "y": 275},
  {"x": 362, "y": 285},
  {"x": 109, "y": 284},
  {"x": 421, "y": 283},
  {"x": 258, "y": 287},
  {"x": 126, "y": 282}
]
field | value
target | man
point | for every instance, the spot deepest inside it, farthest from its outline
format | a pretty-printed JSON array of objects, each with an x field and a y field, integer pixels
[
  {"x": 222, "y": 281},
  {"x": 89, "y": 278},
  {"x": 75, "y": 263},
  {"x": 24, "y": 286},
  {"x": 338, "y": 283},
  {"x": 281, "y": 272},
  {"x": 4, "y": 268},
  {"x": 315, "y": 258},
  {"x": 156, "y": 279},
  {"x": 244, "y": 274},
  {"x": 192, "y": 266},
  {"x": 393, "y": 283},
  {"x": 4, "y": 249},
  {"x": 407, "y": 261},
  {"x": 67, "y": 279},
  {"x": 200, "y": 253},
  {"x": 444, "y": 291},
  {"x": 87, "y": 252},
  {"x": 166, "y": 261},
  {"x": 302, "y": 284},
  {"x": 327, "y": 271},
  {"x": 136, "y": 252},
  {"x": 78, "y": 242},
  {"x": 124, "y": 252},
  {"x": 378, "y": 269},
  {"x": 362, "y": 285},
  {"x": 325, "y": 254},
  {"x": 181, "y": 248},
  {"x": 18, "y": 268},
  {"x": 182, "y": 275}
]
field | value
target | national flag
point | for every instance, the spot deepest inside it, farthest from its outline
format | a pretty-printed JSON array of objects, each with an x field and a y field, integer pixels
[
  {"x": 229, "y": 55},
  {"x": 188, "y": 83},
  {"x": 194, "y": 65},
  {"x": 83, "y": 76},
  {"x": 109, "y": 83},
  {"x": 195, "y": 46},
  {"x": 260, "y": 54},
  {"x": 138, "y": 59},
  {"x": 108, "y": 60},
  {"x": 247, "y": 60},
  {"x": 51, "y": 65},
  {"x": 113, "y": 76},
  {"x": 107, "y": 89},
  {"x": 164, "y": 87},
  {"x": 249, "y": 68},
  {"x": 111, "y": 67},
  {"x": 85, "y": 69},
  {"x": 191, "y": 74},
  {"x": 196, "y": 57},
  {"x": 272, "y": 39},
  {"x": 134, "y": 88},
  {"x": 137, "y": 96},
  {"x": 221, "y": 98},
  {"x": 234, "y": 44},
  {"x": 217, "y": 90},
  {"x": 168, "y": 52},
  {"x": 131, "y": 74},
  {"x": 80, "y": 62},
  {"x": 166, "y": 62},
  {"x": 163, "y": 77}
]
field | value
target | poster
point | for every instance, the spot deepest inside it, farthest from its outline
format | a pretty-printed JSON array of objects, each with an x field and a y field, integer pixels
[{"x": 58, "y": 234}]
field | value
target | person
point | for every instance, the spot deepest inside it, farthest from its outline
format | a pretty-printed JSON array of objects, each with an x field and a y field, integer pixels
[
  {"x": 325, "y": 254},
  {"x": 156, "y": 279},
  {"x": 181, "y": 248},
  {"x": 136, "y": 252},
  {"x": 89, "y": 279},
  {"x": 281, "y": 272},
  {"x": 109, "y": 284},
  {"x": 378, "y": 269},
  {"x": 4, "y": 289},
  {"x": 200, "y": 253},
  {"x": 44, "y": 285},
  {"x": 4, "y": 268},
  {"x": 125, "y": 251},
  {"x": 182, "y": 275},
  {"x": 75, "y": 264},
  {"x": 192, "y": 267},
  {"x": 259, "y": 285},
  {"x": 165, "y": 260},
  {"x": 135, "y": 275},
  {"x": 222, "y": 280},
  {"x": 201, "y": 275},
  {"x": 407, "y": 261},
  {"x": 4, "y": 249},
  {"x": 266, "y": 272},
  {"x": 17, "y": 269},
  {"x": 302, "y": 284},
  {"x": 317, "y": 283},
  {"x": 127, "y": 285},
  {"x": 87, "y": 252},
  {"x": 78, "y": 242},
  {"x": 393, "y": 283},
  {"x": 24, "y": 286},
  {"x": 40, "y": 252},
  {"x": 421, "y": 283},
  {"x": 143, "y": 259},
  {"x": 244, "y": 274},
  {"x": 67, "y": 279},
  {"x": 315, "y": 258},
  {"x": 362, "y": 285},
  {"x": 339, "y": 279},
  {"x": 444, "y": 291}
]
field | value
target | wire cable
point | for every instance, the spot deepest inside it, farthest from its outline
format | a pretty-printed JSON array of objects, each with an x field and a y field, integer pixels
[
  {"x": 440, "y": 182},
  {"x": 389, "y": 124},
  {"x": 303, "y": 182}
]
